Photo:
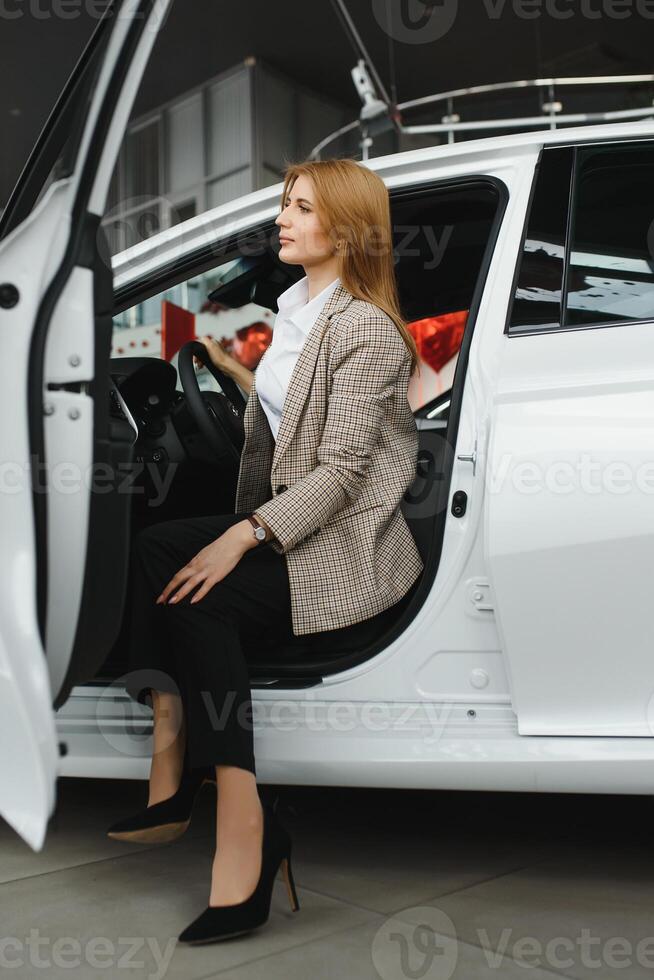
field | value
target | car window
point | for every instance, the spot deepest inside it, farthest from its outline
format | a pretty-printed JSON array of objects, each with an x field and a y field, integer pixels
[
  {"x": 440, "y": 235},
  {"x": 145, "y": 330},
  {"x": 588, "y": 251},
  {"x": 537, "y": 295},
  {"x": 439, "y": 240},
  {"x": 610, "y": 274},
  {"x": 150, "y": 328}
]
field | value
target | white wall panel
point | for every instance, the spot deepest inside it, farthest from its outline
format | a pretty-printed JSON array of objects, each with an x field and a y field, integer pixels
[
  {"x": 185, "y": 144},
  {"x": 230, "y": 124},
  {"x": 227, "y": 188}
]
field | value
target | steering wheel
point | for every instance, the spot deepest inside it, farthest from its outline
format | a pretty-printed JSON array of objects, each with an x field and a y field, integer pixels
[{"x": 218, "y": 415}]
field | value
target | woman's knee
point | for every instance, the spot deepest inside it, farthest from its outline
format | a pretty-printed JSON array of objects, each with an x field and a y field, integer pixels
[
  {"x": 149, "y": 537},
  {"x": 159, "y": 547}
]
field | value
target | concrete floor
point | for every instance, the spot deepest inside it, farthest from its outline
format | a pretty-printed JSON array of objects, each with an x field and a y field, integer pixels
[{"x": 391, "y": 884}]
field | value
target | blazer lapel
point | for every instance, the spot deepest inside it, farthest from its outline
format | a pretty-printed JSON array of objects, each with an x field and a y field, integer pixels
[
  {"x": 303, "y": 371},
  {"x": 255, "y": 421}
]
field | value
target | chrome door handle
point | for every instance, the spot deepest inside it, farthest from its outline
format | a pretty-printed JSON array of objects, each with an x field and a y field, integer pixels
[{"x": 470, "y": 458}]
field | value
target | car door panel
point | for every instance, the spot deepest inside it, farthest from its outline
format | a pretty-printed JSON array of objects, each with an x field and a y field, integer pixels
[
  {"x": 570, "y": 519},
  {"x": 68, "y": 551}
]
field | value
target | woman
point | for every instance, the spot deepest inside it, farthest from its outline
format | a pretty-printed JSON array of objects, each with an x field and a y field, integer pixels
[{"x": 313, "y": 544}]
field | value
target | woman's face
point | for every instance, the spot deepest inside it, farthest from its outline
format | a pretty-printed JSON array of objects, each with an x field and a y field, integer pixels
[{"x": 301, "y": 237}]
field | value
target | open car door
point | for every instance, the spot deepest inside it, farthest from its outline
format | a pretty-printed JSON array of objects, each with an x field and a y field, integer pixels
[{"x": 64, "y": 518}]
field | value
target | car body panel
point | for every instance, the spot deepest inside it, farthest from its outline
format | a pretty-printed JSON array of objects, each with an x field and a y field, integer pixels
[{"x": 570, "y": 557}]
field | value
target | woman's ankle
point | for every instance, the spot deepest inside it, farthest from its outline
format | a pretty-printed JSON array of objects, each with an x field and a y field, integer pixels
[
  {"x": 164, "y": 781},
  {"x": 168, "y": 747}
]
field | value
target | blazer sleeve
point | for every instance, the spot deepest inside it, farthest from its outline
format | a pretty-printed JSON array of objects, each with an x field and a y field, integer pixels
[{"x": 365, "y": 362}]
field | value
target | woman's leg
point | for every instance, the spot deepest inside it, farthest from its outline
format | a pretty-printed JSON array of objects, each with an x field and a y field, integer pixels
[
  {"x": 151, "y": 677},
  {"x": 239, "y": 836},
  {"x": 168, "y": 745},
  {"x": 204, "y": 655},
  {"x": 159, "y": 668}
]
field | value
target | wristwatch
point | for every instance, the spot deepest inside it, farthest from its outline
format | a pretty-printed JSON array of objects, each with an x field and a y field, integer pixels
[{"x": 259, "y": 531}]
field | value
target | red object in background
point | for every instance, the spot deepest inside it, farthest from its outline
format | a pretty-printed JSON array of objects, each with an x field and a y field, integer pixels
[
  {"x": 438, "y": 338},
  {"x": 250, "y": 343},
  {"x": 177, "y": 328}
]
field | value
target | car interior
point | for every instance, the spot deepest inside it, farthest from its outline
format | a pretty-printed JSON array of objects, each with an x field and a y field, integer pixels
[{"x": 443, "y": 239}]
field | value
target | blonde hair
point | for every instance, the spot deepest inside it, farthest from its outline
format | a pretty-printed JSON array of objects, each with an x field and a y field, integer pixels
[{"x": 353, "y": 206}]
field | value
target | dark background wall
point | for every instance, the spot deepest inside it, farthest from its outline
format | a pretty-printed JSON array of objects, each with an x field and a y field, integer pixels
[{"x": 463, "y": 44}]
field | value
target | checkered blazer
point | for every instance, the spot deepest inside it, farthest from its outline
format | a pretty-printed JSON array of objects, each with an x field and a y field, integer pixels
[{"x": 346, "y": 452}]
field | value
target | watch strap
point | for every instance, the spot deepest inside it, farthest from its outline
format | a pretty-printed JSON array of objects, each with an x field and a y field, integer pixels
[{"x": 256, "y": 525}]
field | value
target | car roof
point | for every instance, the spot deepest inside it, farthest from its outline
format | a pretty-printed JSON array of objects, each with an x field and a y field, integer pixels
[
  {"x": 395, "y": 168},
  {"x": 512, "y": 141}
]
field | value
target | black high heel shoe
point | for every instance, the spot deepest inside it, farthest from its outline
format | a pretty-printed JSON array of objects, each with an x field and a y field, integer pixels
[
  {"x": 219, "y": 922},
  {"x": 168, "y": 819}
]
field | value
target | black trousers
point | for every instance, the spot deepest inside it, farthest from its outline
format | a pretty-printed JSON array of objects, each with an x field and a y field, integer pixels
[{"x": 196, "y": 650}]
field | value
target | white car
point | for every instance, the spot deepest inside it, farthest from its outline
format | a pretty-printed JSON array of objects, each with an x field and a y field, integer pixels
[{"x": 524, "y": 658}]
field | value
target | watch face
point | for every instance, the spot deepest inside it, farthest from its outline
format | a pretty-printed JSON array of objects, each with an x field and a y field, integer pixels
[{"x": 260, "y": 533}]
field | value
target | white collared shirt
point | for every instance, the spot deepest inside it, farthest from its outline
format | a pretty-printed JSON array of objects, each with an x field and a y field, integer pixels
[{"x": 291, "y": 328}]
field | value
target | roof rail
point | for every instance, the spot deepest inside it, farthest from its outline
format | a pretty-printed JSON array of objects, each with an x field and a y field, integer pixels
[{"x": 451, "y": 123}]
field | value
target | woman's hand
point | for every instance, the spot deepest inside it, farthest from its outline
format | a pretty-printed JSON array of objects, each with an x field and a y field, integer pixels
[
  {"x": 225, "y": 362},
  {"x": 211, "y": 564},
  {"x": 217, "y": 354}
]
